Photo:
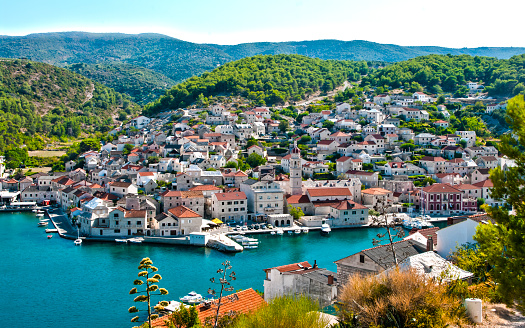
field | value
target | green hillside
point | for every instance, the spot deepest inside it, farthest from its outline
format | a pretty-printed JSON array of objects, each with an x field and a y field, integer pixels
[
  {"x": 176, "y": 60},
  {"x": 141, "y": 84},
  {"x": 447, "y": 73},
  {"x": 41, "y": 102},
  {"x": 265, "y": 80}
]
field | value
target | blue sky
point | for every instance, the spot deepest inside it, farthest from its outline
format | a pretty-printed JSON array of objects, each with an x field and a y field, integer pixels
[{"x": 449, "y": 23}]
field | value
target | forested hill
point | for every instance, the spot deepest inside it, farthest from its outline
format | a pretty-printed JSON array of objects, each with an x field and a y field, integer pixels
[
  {"x": 446, "y": 73},
  {"x": 178, "y": 60},
  {"x": 265, "y": 80},
  {"x": 40, "y": 102}
]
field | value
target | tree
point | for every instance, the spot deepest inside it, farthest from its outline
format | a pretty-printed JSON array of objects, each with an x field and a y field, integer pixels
[
  {"x": 251, "y": 142},
  {"x": 504, "y": 243},
  {"x": 231, "y": 165},
  {"x": 225, "y": 280},
  {"x": 127, "y": 149},
  {"x": 147, "y": 268},
  {"x": 184, "y": 317},
  {"x": 255, "y": 160},
  {"x": 284, "y": 125},
  {"x": 328, "y": 124},
  {"x": 295, "y": 212},
  {"x": 89, "y": 144}
]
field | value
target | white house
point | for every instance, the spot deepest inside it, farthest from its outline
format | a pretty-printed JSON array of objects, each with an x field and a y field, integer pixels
[{"x": 458, "y": 234}]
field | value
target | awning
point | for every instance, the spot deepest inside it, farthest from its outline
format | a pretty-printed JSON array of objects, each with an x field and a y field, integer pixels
[{"x": 217, "y": 221}]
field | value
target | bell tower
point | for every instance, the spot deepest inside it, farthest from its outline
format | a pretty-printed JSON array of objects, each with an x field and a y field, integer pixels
[{"x": 296, "y": 180}]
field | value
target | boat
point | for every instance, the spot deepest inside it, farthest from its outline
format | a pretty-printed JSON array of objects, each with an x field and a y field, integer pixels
[
  {"x": 51, "y": 230},
  {"x": 43, "y": 223},
  {"x": 49, "y": 236},
  {"x": 40, "y": 215},
  {"x": 280, "y": 232},
  {"x": 325, "y": 229},
  {"x": 272, "y": 233},
  {"x": 297, "y": 231},
  {"x": 121, "y": 240},
  {"x": 174, "y": 306},
  {"x": 192, "y": 298},
  {"x": 290, "y": 232},
  {"x": 305, "y": 230},
  {"x": 78, "y": 242},
  {"x": 34, "y": 211},
  {"x": 40, "y": 212},
  {"x": 251, "y": 246},
  {"x": 137, "y": 240}
]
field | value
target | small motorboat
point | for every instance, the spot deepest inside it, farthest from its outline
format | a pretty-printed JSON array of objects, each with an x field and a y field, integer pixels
[
  {"x": 43, "y": 223},
  {"x": 137, "y": 240},
  {"x": 174, "y": 306},
  {"x": 121, "y": 240},
  {"x": 78, "y": 242},
  {"x": 40, "y": 215},
  {"x": 290, "y": 232},
  {"x": 251, "y": 246},
  {"x": 192, "y": 298},
  {"x": 272, "y": 233},
  {"x": 280, "y": 232},
  {"x": 49, "y": 236},
  {"x": 297, "y": 231},
  {"x": 305, "y": 230},
  {"x": 325, "y": 229}
]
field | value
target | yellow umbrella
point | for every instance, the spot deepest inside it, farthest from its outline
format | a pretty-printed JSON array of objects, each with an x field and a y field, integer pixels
[{"x": 217, "y": 221}]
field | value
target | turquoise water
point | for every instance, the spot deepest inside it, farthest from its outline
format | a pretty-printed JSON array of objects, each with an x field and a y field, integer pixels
[{"x": 52, "y": 283}]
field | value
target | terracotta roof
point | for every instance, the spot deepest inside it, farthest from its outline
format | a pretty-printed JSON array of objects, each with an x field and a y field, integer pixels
[
  {"x": 326, "y": 142},
  {"x": 134, "y": 214},
  {"x": 375, "y": 191},
  {"x": 298, "y": 199},
  {"x": 183, "y": 212},
  {"x": 440, "y": 187},
  {"x": 120, "y": 184},
  {"x": 433, "y": 159},
  {"x": 428, "y": 232},
  {"x": 465, "y": 186},
  {"x": 183, "y": 193},
  {"x": 343, "y": 159},
  {"x": 291, "y": 267},
  {"x": 146, "y": 174},
  {"x": 349, "y": 205},
  {"x": 204, "y": 188},
  {"x": 484, "y": 184},
  {"x": 322, "y": 192},
  {"x": 230, "y": 195}
]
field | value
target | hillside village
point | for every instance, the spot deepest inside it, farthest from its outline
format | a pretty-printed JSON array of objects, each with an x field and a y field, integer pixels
[{"x": 185, "y": 173}]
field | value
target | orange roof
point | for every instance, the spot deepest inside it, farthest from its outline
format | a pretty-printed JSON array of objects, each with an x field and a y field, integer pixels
[
  {"x": 183, "y": 212},
  {"x": 204, "y": 188},
  {"x": 292, "y": 267},
  {"x": 484, "y": 184},
  {"x": 321, "y": 192},
  {"x": 246, "y": 301},
  {"x": 230, "y": 195},
  {"x": 440, "y": 187},
  {"x": 349, "y": 205},
  {"x": 375, "y": 191},
  {"x": 298, "y": 199},
  {"x": 183, "y": 193}
]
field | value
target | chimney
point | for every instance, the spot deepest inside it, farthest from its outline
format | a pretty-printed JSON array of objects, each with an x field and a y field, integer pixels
[
  {"x": 330, "y": 279},
  {"x": 430, "y": 244},
  {"x": 315, "y": 264}
]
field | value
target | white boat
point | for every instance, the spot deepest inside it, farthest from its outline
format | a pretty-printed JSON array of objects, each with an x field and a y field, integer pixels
[
  {"x": 325, "y": 229},
  {"x": 297, "y": 231},
  {"x": 40, "y": 215},
  {"x": 426, "y": 225},
  {"x": 40, "y": 212},
  {"x": 272, "y": 233},
  {"x": 78, "y": 242},
  {"x": 174, "y": 306},
  {"x": 137, "y": 240},
  {"x": 305, "y": 230},
  {"x": 192, "y": 298},
  {"x": 43, "y": 223},
  {"x": 408, "y": 224},
  {"x": 251, "y": 246},
  {"x": 280, "y": 232},
  {"x": 121, "y": 240}
]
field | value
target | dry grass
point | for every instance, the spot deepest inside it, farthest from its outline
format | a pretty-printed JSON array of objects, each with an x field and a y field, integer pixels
[
  {"x": 46, "y": 153},
  {"x": 399, "y": 299}
]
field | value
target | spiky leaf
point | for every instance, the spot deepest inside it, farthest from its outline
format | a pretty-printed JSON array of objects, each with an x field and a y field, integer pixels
[{"x": 133, "y": 309}]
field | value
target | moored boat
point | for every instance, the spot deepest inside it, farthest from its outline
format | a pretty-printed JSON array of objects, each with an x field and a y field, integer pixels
[
  {"x": 137, "y": 240},
  {"x": 192, "y": 298},
  {"x": 78, "y": 242},
  {"x": 121, "y": 240},
  {"x": 305, "y": 230},
  {"x": 49, "y": 236},
  {"x": 297, "y": 231},
  {"x": 280, "y": 232},
  {"x": 325, "y": 229},
  {"x": 43, "y": 223}
]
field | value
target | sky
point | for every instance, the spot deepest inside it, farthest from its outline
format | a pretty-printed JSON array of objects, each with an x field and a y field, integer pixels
[{"x": 447, "y": 23}]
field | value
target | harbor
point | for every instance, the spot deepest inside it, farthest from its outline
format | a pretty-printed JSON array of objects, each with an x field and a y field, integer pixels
[{"x": 72, "y": 280}]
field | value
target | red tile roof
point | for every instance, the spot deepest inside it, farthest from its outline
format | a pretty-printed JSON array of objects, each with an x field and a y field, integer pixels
[
  {"x": 321, "y": 192},
  {"x": 440, "y": 187},
  {"x": 428, "y": 232},
  {"x": 291, "y": 267},
  {"x": 484, "y": 184},
  {"x": 375, "y": 191},
  {"x": 349, "y": 205},
  {"x": 230, "y": 195},
  {"x": 204, "y": 188},
  {"x": 298, "y": 199},
  {"x": 183, "y": 194},
  {"x": 183, "y": 212}
]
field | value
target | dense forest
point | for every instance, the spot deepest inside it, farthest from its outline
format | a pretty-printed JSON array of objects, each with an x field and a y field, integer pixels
[
  {"x": 141, "y": 84},
  {"x": 450, "y": 74},
  {"x": 177, "y": 60},
  {"x": 39, "y": 101},
  {"x": 265, "y": 80}
]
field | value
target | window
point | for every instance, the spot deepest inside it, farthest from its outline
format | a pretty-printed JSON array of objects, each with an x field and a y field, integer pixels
[
  {"x": 116, "y": 222},
  {"x": 117, "y": 230},
  {"x": 345, "y": 212},
  {"x": 139, "y": 223},
  {"x": 361, "y": 258},
  {"x": 353, "y": 212}
]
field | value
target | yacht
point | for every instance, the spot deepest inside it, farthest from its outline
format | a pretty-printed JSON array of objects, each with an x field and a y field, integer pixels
[
  {"x": 325, "y": 229},
  {"x": 192, "y": 298}
]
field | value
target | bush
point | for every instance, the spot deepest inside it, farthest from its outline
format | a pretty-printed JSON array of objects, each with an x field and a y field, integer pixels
[
  {"x": 398, "y": 299},
  {"x": 285, "y": 312}
]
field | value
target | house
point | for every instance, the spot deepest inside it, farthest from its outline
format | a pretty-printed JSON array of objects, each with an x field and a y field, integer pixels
[
  {"x": 189, "y": 221},
  {"x": 193, "y": 200},
  {"x": 310, "y": 169},
  {"x": 424, "y": 139},
  {"x": 420, "y": 96},
  {"x": 455, "y": 235},
  {"x": 445, "y": 199},
  {"x": 348, "y": 213},
  {"x": 377, "y": 259},
  {"x": 433, "y": 164},
  {"x": 258, "y": 150},
  {"x": 479, "y": 174},
  {"x": 121, "y": 222},
  {"x": 372, "y": 196},
  {"x": 301, "y": 279},
  {"x": 264, "y": 197},
  {"x": 487, "y": 162},
  {"x": 441, "y": 124},
  {"x": 486, "y": 187},
  {"x": 230, "y": 206},
  {"x": 140, "y": 122},
  {"x": 345, "y": 163},
  {"x": 368, "y": 179},
  {"x": 468, "y": 136},
  {"x": 121, "y": 188}
]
